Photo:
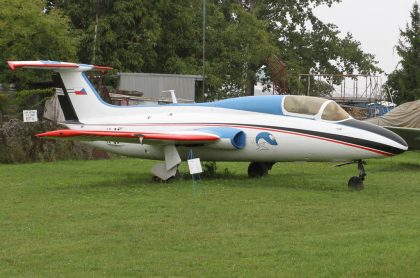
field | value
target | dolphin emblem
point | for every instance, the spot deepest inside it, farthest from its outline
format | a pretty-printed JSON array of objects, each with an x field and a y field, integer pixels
[{"x": 264, "y": 138}]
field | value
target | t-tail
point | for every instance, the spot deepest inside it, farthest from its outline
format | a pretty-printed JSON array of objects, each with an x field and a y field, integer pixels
[{"x": 84, "y": 103}]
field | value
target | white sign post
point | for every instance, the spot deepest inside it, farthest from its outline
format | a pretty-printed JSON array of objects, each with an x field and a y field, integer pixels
[
  {"x": 30, "y": 116},
  {"x": 195, "y": 166}
]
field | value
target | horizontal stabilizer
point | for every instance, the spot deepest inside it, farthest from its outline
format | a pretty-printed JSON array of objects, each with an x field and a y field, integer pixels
[{"x": 54, "y": 65}]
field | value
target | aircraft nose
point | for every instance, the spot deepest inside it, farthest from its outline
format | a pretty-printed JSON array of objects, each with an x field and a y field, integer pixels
[
  {"x": 397, "y": 144},
  {"x": 402, "y": 145}
]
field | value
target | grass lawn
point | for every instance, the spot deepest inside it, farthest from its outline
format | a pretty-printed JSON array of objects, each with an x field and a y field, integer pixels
[{"x": 107, "y": 218}]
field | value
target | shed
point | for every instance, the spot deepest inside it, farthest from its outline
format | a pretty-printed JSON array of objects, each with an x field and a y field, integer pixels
[{"x": 153, "y": 84}]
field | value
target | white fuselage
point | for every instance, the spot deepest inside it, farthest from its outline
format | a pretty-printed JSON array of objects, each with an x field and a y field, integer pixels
[{"x": 293, "y": 141}]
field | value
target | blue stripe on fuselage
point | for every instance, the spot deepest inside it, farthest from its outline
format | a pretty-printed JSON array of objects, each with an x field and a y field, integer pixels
[{"x": 261, "y": 104}]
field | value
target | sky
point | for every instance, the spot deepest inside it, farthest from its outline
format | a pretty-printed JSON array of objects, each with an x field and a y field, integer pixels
[{"x": 375, "y": 23}]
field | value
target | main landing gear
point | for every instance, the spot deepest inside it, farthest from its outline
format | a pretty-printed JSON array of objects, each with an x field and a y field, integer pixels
[{"x": 259, "y": 169}]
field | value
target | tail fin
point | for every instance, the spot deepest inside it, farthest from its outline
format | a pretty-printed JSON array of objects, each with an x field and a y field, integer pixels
[{"x": 86, "y": 101}]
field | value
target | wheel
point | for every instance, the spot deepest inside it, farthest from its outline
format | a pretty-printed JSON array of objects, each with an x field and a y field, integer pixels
[
  {"x": 257, "y": 169},
  {"x": 356, "y": 183}
]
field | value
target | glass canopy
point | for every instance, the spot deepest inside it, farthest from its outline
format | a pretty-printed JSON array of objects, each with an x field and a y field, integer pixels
[{"x": 311, "y": 106}]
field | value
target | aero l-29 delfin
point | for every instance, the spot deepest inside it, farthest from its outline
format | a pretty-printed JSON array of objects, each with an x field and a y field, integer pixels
[{"x": 261, "y": 130}]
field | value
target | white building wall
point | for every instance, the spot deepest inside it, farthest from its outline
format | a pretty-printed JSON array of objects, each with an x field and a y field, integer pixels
[{"x": 152, "y": 84}]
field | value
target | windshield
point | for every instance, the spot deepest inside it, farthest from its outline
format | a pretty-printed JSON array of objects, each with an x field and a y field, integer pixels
[
  {"x": 303, "y": 104},
  {"x": 311, "y": 106},
  {"x": 334, "y": 112}
]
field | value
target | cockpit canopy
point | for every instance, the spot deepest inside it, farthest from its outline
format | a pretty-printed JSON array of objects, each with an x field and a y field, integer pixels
[{"x": 313, "y": 107}]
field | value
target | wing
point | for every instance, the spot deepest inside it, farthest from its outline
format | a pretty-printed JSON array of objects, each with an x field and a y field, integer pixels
[
  {"x": 410, "y": 135},
  {"x": 214, "y": 137},
  {"x": 167, "y": 138}
]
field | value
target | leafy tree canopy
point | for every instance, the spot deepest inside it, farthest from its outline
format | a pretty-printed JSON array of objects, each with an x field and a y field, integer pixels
[
  {"x": 305, "y": 43},
  {"x": 405, "y": 81},
  {"x": 166, "y": 36},
  {"x": 28, "y": 33}
]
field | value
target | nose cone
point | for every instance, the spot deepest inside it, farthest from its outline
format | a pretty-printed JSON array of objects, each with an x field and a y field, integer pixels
[{"x": 392, "y": 142}]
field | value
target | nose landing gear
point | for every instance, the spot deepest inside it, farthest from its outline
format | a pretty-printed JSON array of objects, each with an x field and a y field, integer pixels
[{"x": 356, "y": 182}]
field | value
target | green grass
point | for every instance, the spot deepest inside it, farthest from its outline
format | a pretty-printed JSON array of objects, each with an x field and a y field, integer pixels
[{"x": 107, "y": 218}]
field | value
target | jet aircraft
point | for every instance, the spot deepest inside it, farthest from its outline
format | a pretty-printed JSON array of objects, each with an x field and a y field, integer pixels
[{"x": 261, "y": 130}]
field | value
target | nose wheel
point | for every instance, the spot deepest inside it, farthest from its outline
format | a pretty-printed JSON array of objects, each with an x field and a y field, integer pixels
[{"x": 356, "y": 182}]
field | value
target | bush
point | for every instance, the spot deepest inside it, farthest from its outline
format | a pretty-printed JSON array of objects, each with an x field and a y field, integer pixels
[
  {"x": 33, "y": 99},
  {"x": 18, "y": 144},
  {"x": 4, "y": 103}
]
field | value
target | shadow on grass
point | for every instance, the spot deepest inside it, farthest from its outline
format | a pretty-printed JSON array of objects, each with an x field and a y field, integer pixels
[
  {"x": 121, "y": 181},
  {"x": 397, "y": 167},
  {"x": 296, "y": 181},
  {"x": 309, "y": 182}
]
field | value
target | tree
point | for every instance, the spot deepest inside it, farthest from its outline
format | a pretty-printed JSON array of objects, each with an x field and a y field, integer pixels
[
  {"x": 28, "y": 33},
  {"x": 305, "y": 43},
  {"x": 237, "y": 46},
  {"x": 126, "y": 31},
  {"x": 405, "y": 80},
  {"x": 165, "y": 36}
]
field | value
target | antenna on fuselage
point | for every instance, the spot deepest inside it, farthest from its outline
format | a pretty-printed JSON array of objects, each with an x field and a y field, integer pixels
[{"x": 174, "y": 100}]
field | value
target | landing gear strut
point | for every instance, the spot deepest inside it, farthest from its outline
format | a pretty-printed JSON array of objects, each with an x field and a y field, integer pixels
[
  {"x": 259, "y": 169},
  {"x": 356, "y": 182}
]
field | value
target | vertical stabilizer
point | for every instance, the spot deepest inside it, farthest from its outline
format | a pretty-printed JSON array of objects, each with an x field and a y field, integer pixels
[{"x": 85, "y": 101}]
